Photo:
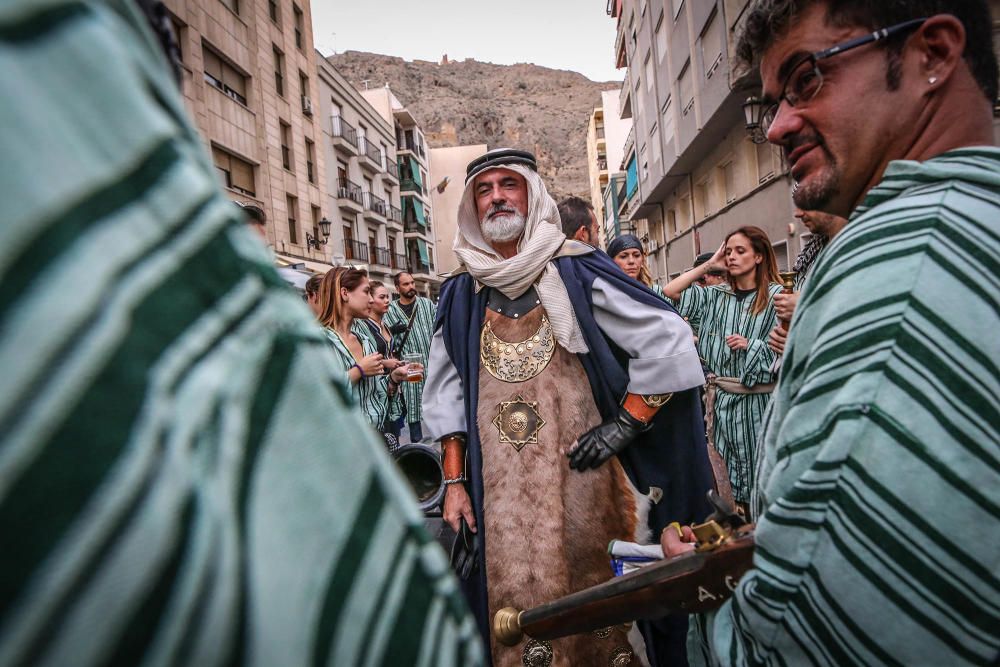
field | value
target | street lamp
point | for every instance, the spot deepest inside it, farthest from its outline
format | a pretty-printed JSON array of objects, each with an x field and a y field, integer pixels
[
  {"x": 324, "y": 229},
  {"x": 753, "y": 111}
]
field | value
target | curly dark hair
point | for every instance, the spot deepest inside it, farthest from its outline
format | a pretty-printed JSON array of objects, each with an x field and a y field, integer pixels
[{"x": 768, "y": 20}]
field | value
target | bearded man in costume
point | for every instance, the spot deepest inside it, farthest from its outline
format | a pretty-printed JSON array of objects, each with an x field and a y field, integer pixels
[{"x": 563, "y": 393}]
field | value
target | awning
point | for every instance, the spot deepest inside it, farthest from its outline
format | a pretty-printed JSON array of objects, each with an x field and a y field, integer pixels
[
  {"x": 302, "y": 264},
  {"x": 415, "y": 167},
  {"x": 418, "y": 209},
  {"x": 422, "y": 249}
]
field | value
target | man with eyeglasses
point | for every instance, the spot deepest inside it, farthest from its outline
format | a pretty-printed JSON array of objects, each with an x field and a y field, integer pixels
[{"x": 879, "y": 501}]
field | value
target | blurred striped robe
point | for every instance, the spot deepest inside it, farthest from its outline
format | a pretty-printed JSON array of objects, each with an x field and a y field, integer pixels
[
  {"x": 418, "y": 342},
  {"x": 880, "y": 476},
  {"x": 180, "y": 481}
]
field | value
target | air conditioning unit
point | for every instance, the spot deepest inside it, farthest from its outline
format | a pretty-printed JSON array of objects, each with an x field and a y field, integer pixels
[{"x": 307, "y": 106}]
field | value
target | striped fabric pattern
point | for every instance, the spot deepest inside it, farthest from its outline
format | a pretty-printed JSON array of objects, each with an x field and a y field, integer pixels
[
  {"x": 371, "y": 393},
  {"x": 737, "y": 416},
  {"x": 180, "y": 482},
  {"x": 370, "y": 331},
  {"x": 419, "y": 342},
  {"x": 881, "y": 464}
]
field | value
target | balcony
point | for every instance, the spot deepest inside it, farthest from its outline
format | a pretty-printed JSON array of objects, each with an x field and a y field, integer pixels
[
  {"x": 375, "y": 208},
  {"x": 414, "y": 227},
  {"x": 602, "y": 164},
  {"x": 355, "y": 251},
  {"x": 372, "y": 160},
  {"x": 625, "y": 100},
  {"x": 345, "y": 137},
  {"x": 350, "y": 197},
  {"x": 398, "y": 261},
  {"x": 391, "y": 172},
  {"x": 411, "y": 146},
  {"x": 409, "y": 185},
  {"x": 383, "y": 257},
  {"x": 395, "y": 216}
]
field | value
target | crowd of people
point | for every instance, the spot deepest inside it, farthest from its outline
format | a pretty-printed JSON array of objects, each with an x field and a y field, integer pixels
[{"x": 190, "y": 467}]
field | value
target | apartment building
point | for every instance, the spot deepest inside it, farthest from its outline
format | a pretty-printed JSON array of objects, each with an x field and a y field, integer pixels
[
  {"x": 606, "y": 134},
  {"x": 691, "y": 172},
  {"x": 447, "y": 171},
  {"x": 249, "y": 81},
  {"x": 362, "y": 185},
  {"x": 414, "y": 189}
]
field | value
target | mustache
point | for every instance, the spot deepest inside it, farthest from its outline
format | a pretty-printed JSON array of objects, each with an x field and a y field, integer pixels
[
  {"x": 496, "y": 209},
  {"x": 803, "y": 139}
]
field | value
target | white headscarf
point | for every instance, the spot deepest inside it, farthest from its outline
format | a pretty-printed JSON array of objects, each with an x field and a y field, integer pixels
[{"x": 541, "y": 240}]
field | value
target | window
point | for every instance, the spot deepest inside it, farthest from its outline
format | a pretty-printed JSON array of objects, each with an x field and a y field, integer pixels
[
  {"x": 234, "y": 5},
  {"x": 180, "y": 32},
  {"x": 372, "y": 244},
  {"x": 316, "y": 217},
  {"x": 348, "y": 242},
  {"x": 711, "y": 45},
  {"x": 286, "y": 145},
  {"x": 649, "y": 72},
  {"x": 668, "y": 120},
  {"x": 385, "y": 155},
  {"x": 781, "y": 254},
  {"x": 661, "y": 40},
  {"x": 686, "y": 89},
  {"x": 223, "y": 76},
  {"x": 729, "y": 181},
  {"x": 272, "y": 10},
  {"x": 765, "y": 162},
  {"x": 303, "y": 84},
  {"x": 279, "y": 70},
  {"x": 671, "y": 223},
  {"x": 297, "y": 13},
  {"x": 293, "y": 227},
  {"x": 702, "y": 199},
  {"x": 236, "y": 174},
  {"x": 643, "y": 163},
  {"x": 677, "y": 6},
  {"x": 684, "y": 213},
  {"x": 310, "y": 161}
]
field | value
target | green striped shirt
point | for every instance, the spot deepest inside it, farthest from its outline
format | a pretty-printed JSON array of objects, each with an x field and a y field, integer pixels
[
  {"x": 880, "y": 473},
  {"x": 180, "y": 482},
  {"x": 737, "y": 416},
  {"x": 370, "y": 393},
  {"x": 418, "y": 342}
]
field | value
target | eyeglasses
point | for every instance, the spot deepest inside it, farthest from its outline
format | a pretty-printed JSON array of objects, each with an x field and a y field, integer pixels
[{"x": 806, "y": 79}]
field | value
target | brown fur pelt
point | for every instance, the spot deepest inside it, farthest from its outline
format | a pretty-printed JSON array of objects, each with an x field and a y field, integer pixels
[{"x": 547, "y": 527}]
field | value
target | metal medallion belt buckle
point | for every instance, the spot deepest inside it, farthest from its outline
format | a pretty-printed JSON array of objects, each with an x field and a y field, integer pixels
[
  {"x": 518, "y": 422},
  {"x": 518, "y": 361}
]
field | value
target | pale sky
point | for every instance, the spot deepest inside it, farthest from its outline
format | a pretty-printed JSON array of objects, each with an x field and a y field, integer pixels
[{"x": 575, "y": 35}]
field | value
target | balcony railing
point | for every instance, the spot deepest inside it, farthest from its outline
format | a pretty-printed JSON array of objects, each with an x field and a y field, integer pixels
[
  {"x": 392, "y": 169},
  {"x": 408, "y": 144},
  {"x": 416, "y": 227},
  {"x": 375, "y": 203},
  {"x": 408, "y": 184},
  {"x": 398, "y": 261},
  {"x": 395, "y": 215},
  {"x": 372, "y": 152},
  {"x": 383, "y": 257},
  {"x": 602, "y": 164},
  {"x": 356, "y": 250},
  {"x": 341, "y": 128},
  {"x": 350, "y": 190}
]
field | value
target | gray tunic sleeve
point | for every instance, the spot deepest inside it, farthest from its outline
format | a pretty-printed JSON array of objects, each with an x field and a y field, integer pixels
[
  {"x": 444, "y": 397},
  {"x": 659, "y": 342}
]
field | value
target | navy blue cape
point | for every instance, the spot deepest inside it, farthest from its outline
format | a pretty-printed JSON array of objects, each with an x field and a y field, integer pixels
[{"x": 671, "y": 456}]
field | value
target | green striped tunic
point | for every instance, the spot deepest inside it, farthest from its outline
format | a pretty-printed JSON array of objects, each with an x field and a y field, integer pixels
[
  {"x": 880, "y": 475},
  {"x": 180, "y": 482},
  {"x": 737, "y": 416},
  {"x": 419, "y": 342}
]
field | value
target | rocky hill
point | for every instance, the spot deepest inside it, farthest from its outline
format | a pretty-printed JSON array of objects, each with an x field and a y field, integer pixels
[{"x": 525, "y": 106}]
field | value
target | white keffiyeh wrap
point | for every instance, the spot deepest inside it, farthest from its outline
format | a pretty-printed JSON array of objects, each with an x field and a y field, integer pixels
[{"x": 542, "y": 239}]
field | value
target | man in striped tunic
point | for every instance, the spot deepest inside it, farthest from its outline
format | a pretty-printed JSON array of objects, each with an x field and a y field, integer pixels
[
  {"x": 417, "y": 313},
  {"x": 180, "y": 481},
  {"x": 880, "y": 476}
]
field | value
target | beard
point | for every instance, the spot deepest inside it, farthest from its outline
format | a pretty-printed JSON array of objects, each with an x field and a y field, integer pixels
[
  {"x": 411, "y": 293},
  {"x": 502, "y": 228},
  {"x": 820, "y": 187}
]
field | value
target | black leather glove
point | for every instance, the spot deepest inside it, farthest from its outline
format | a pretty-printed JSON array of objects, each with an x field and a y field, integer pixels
[{"x": 602, "y": 442}]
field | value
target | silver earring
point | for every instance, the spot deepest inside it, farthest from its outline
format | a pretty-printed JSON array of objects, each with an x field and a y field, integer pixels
[{"x": 932, "y": 80}]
